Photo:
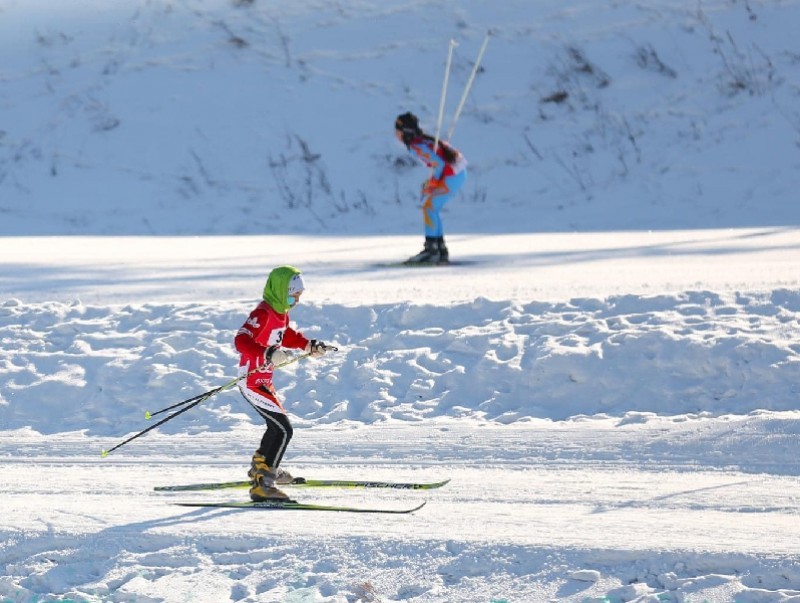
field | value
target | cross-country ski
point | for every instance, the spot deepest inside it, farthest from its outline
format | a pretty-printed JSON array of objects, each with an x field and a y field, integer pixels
[
  {"x": 310, "y": 483},
  {"x": 290, "y": 505}
]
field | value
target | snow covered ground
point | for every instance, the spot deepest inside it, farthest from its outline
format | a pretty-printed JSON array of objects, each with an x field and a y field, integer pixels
[{"x": 610, "y": 381}]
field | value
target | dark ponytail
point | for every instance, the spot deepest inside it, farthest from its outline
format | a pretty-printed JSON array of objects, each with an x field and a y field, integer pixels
[{"x": 448, "y": 152}]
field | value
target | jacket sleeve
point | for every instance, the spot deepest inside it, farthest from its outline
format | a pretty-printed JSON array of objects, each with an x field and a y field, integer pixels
[
  {"x": 245, "y": 341},
  {"x": 294, "y": 339},
  {"x": 423, "y": 150}
]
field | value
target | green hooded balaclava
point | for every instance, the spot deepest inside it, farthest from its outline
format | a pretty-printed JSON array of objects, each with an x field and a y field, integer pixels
[{"x": 276, "y": 291}]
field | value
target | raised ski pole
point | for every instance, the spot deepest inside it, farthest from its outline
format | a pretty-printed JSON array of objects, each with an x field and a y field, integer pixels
[
  {"x": 444, "y": 94},
  {"x": 468, "y": 86},
  {"x": 192, "y": 402}
]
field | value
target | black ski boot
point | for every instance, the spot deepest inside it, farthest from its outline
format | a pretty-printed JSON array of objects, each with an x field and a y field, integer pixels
[
  {"x": 444, "y": 255},
  {"x": 429, "y": 253}
]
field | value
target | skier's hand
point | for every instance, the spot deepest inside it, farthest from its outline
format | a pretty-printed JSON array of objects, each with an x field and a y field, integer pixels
[
  {"x": 431, "y": 188},
  {"x": 318, "y": 348},
  {"x": 275, "y": 356}
]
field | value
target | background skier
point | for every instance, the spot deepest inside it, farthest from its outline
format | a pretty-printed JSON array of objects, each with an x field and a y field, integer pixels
[{"x": 449, "y": 173}]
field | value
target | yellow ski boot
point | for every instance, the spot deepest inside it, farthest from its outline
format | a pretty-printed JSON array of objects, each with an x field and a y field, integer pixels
[{"x": 263, "y": 479}]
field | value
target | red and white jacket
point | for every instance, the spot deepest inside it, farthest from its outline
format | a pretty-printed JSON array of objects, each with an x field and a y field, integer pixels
[{"x": 264, "y": 328}]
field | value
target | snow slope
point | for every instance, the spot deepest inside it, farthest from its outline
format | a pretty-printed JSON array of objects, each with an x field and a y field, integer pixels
[
  {"x": 250, "y": 117},
  {"x": 610, "y": 380}
]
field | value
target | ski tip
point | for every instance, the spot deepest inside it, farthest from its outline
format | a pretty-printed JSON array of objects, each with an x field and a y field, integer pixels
[
  {"x": 104, "y": 454},
  {"x": 147, "y": 415},
  {"x": 431, "y": 485}
]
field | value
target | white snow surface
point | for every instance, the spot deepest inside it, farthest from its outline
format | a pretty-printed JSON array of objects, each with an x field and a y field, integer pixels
[{"x": 609, "y": 379}]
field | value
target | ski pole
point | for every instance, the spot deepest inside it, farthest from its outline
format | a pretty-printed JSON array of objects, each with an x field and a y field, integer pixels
[
  {"x": 216, "y": 390},
  {"x": 192, "y": 402},
  {"x": 468, "y": 86},
  {"x": 444, "y": 94},
  {"x": 149, "y": 415},
  {"x": 200, "y": 399}
]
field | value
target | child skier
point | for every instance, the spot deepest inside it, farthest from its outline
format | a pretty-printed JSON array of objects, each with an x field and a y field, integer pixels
[
  {"x": 260, "y": 342},
  {"x": 449, "y": 173}
]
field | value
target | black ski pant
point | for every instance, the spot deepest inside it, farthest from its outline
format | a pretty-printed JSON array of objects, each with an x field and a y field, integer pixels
[{"x": 276, "y": 437}]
